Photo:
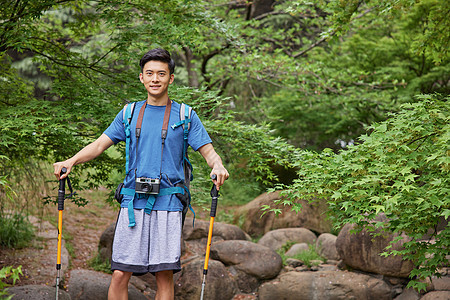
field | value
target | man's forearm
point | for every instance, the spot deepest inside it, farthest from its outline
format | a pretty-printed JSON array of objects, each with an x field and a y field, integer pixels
[
  {"x": 86, "y": 154},
  {"x": 215, "y": 163}
]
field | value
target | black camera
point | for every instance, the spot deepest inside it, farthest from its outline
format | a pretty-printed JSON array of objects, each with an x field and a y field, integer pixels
[{"x": 147, "y": 185}]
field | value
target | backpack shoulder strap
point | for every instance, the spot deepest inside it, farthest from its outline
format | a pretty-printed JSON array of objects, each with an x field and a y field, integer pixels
[
  {"x": 185, "y": 122},
  {"x": 128, "y": 111},
  {"x": 185, "y": 116}
]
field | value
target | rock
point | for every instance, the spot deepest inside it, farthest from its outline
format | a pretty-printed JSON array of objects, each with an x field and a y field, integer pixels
[
  {"x": 436, "y": 295},
  {"x": 105, "y": 244},
  {"x": 325, "y": 285},
  {"x": 183, "y": 246},
  {"x": 253, "y": 259},
  {"x": 143, "y": 286},
  {"x": 223, "y": 230},
  {"x": 312, "y": 215},
  {"x": 396, "y": 281},
  {"x": 44, "y": 230},
  {"x": 37, "y": 292},
  {"x": 228, "y": 231},
  {"x": 292, "y": 262},
  {"x": 297, "y": 249},
  {"x": 198, "y": 247},
  {"x": 315, "y": 264},
  {"x": 362, "y": 251},
  {"x": 195, "y": 232},
  {"x": 275, "y": 239},
  {"x": 440, "y": 225},
  {"x": 327, "y": 267},
  {"x": 302, "y": 269},
  {"x": 333, "y": 262},
  {"x": 441, "y": 284},
  {"x": 47, "y": 260},
  {"x": 408, "y": 294},
  {"x": 326, "y": 246},
  {"x": 245, "y": 297},
  {"x": 246, "y": 283},
  {"x": 91, "y": 285},
  {"x": 219, "y": 284}
]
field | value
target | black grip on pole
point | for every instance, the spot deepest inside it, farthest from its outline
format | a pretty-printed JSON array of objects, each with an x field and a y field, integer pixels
[
  {"x": 62, "y": 190},
  {"x": 214, "y": 196},
  {"x": 213, "y": 207}
]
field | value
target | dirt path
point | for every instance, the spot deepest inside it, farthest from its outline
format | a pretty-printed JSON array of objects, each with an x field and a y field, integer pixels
[{"x": 82, "y": 228}]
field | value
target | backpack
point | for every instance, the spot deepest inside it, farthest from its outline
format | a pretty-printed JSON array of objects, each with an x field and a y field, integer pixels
[{"x": 185, "y": 122}]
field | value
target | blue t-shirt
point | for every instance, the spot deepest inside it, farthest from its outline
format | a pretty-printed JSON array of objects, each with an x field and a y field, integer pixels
[{"x": 148, "y": 160}]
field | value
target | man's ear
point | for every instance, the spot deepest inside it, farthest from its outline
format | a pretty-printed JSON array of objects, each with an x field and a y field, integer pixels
[
  {"x": 172, "y": 77},
  {"x": 141, "y": 78}
]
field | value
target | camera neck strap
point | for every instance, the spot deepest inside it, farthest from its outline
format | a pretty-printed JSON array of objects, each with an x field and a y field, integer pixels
[{"x": 163, "y": 130}]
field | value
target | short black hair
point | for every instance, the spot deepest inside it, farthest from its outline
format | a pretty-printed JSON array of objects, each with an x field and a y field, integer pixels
[{"x": 158, "y": 54}]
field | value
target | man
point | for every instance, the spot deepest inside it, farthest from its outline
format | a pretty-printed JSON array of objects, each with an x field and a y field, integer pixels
[{"x": 148, "y": 230}]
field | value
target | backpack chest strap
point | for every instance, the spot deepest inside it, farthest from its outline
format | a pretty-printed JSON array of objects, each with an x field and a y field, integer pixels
[{"x": 150, "y": 200}]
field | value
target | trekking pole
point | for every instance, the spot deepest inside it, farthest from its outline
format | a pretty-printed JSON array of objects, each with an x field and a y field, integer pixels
[
  {"x": 61, "y": 196},
  {"x": 214, "y": 197}
]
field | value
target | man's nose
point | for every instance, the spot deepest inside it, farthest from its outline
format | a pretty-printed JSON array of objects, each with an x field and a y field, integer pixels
[{"x": 154, "y": 77}]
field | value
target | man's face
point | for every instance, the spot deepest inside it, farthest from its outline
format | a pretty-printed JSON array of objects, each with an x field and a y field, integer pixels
[{"x": 156, "y": 78}]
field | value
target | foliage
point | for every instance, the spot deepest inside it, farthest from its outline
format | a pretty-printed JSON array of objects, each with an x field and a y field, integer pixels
[
  {"x": 97, "y": 264},
  {"x": 8, "y": 273},
  {"x": 308, "y": 257},
  {"x": 401, "y": 169},
  {"x": 15, "y": 231},
  {"x": 87, "y": 52},
  {"x": 317, "y": 73},
  {"x": 338, "y": 88},
  {"x": 432, "y": 41}
]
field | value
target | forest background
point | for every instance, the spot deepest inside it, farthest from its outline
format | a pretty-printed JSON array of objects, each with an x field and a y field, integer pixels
[{"x": 339, "y": 100}]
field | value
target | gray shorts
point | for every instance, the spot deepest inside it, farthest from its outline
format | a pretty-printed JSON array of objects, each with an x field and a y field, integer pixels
[{"x": 153, "y": 245}]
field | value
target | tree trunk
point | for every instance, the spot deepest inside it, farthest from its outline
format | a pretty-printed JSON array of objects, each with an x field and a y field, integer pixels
[
  {"x": 260, "y": 7},
  {"x": 192, "y": 75}
]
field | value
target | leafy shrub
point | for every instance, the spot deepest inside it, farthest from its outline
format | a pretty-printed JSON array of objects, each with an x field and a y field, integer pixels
[
  {"x": 400, "y": 168},
  {"x": 99, "y": 265},
  {"x": 6, "y": 274},
  {"x": 307, "y": 257},
  {"x": 15, "y": 231}
]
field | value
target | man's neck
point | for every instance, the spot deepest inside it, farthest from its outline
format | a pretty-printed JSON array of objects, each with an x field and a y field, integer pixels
[{"x": 159, "y": 101}]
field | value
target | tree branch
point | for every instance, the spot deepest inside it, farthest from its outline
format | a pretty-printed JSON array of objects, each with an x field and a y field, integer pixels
[{"x": 317, "y": 43}]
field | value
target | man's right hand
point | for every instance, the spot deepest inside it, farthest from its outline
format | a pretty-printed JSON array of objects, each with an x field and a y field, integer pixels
[{"x": 58, "y": 167}]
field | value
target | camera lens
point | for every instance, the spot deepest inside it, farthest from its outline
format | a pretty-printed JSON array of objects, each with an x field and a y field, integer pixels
[{"x": 146, "y": 187}]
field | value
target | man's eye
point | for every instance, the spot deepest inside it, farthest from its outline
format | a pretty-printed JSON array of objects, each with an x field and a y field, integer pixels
[{"x": 162, "y": 74}]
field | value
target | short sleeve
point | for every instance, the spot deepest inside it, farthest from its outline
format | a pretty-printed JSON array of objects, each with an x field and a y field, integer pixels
[
  {"x": 116, "y": 131},
  {"x": 198, "y": 136}
]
